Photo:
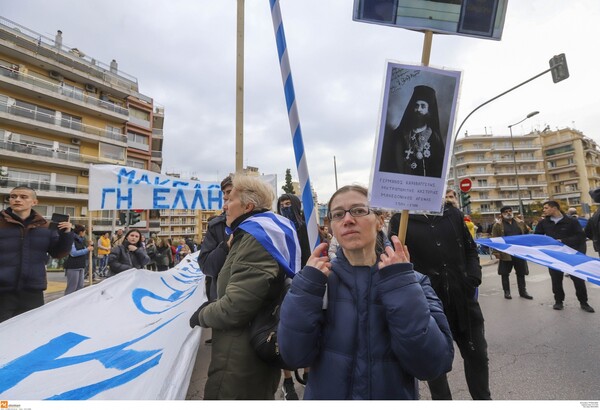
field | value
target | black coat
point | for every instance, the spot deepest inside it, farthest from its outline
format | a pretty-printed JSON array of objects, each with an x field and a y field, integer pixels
[
  {"x": 121, "y": 259},
  {"x": 568, "y": 230},
  {"x": 592, "y": 230},
  {"x": 24, "y": 249},
  {"x": 213, "y": 252},
  {"x": 442, "y": 248}
]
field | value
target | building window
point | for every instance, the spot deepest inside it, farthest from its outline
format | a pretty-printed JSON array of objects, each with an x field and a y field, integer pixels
[
  {"x": 71, "y": 91},
  {"x": 482, "y": 182},
  {"x": 113, "y": 133},
  {"x": 112, "y": 152},
  {"x": 65, "y": 210},
  {"x": 134, "y": 163},
  {"x": 138, "y": 141},
  {"x": 139, "y": 117},
  {"x": 71, "y": 121}
]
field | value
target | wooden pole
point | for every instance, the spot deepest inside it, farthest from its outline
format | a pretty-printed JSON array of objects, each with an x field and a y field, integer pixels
[
  {"x": 427, "y": 40},
  {"x": 91, "y": 257},
  {"x": 239, "y": 101}
]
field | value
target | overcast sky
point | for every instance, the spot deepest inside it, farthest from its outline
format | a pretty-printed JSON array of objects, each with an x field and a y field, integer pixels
[{"x": 183, "y": 55}]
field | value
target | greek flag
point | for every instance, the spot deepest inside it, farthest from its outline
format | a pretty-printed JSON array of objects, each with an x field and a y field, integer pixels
[
  {"x": 546, "y": 251},
  {"x": 278, "y": 236}
]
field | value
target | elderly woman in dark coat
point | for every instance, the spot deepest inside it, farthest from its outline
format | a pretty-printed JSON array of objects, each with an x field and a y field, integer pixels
[
  {"x": 248, "y": 280},
  {"x": 130, "y": 254}
]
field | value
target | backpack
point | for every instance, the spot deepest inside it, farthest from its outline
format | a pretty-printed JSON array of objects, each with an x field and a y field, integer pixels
[{"x": 263, "y": 329}]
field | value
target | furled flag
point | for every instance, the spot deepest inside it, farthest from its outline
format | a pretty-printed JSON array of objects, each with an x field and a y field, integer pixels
[
  {"x": 278, "y": 236},
  {"x": 546, "y": 251}
]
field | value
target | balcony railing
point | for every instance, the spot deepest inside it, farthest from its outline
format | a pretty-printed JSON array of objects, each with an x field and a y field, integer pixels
[
  {"x": 37, "y": 115},
  {"x": 44, "y": 186},
  {"x": 47, "y": 152},
  {"x": 59, "y": 89},
  {"x": 25, "y": 38}
]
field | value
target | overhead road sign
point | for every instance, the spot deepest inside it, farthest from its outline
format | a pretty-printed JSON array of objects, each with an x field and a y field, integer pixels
[{"x": 472, "y": 18}]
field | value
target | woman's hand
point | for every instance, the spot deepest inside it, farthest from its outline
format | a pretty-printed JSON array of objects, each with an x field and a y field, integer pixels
[
  {"x": 132, "y": 248},
  {"x": 320, "y": 262},
  {"x": 391, "y": 256}
]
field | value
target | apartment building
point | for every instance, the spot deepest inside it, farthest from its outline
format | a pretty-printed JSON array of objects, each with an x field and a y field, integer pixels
[
  {"x": 572, "y": 167},
  {"x": 561, "y": 165},
  {"x": 500, "y": 174},
  {"x": 62, "y": 110}
]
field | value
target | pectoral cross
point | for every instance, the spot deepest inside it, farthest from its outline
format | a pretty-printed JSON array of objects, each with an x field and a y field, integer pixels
[{"x": 409, "y": 152}]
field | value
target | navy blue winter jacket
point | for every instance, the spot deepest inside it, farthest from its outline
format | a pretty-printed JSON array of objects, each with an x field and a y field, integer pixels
[
  {"x": 24, "y": 251},
  {"x": 382, "y": 330}
]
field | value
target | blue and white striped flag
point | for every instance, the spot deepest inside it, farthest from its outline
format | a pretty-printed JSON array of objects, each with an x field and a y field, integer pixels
[
  {"x": 278, "y": 236},
  {"x": 546, "y": 251}
]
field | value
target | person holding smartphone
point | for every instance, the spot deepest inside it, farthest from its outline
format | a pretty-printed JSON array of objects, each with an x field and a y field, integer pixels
[
  {"x": 130, "y": 254},
  {"x": 26, "y": 240}
]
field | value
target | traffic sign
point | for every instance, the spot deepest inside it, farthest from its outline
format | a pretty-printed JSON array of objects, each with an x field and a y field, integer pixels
[{"x": 465, "y": 185}]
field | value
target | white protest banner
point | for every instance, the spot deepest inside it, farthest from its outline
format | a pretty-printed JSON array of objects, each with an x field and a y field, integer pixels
[
  {"x": 114, "y": 187},
  {"x": 119, "y": 187},
  {"x": 126, "y": 338}
]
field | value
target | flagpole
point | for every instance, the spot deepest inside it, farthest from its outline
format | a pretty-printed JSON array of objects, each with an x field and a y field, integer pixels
[{"x": 290, "y": 99}]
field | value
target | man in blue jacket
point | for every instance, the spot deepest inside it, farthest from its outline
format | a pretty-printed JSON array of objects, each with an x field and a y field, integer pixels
[{"x": 26, "y": 239}]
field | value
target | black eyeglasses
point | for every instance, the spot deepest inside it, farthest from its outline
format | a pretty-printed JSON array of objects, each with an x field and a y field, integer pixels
[{"x": 357, "y": 211}]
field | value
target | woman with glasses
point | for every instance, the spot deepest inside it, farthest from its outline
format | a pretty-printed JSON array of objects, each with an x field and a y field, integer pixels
[{"x": 366, "y": 323}]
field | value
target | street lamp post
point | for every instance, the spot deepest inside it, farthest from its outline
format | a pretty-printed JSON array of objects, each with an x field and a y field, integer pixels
[{"x": 531, "y": 114}]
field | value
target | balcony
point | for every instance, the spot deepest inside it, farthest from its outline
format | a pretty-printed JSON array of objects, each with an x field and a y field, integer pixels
[
  {"x": 30, "y": 46},
  {"x": 47, "y": 189},
  {"x": 62, "y": 96},
  {"x": 61, "y": 159},
  {"x": 34, "y": 119}
]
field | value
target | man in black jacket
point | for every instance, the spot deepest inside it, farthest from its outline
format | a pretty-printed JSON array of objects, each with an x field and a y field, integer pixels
[
  {"x": 592, "y": 228},
  {"x": 442, "y": 248},
  {"x": 26, "y": 239},
  {"x": 568, "y": 231},
  {"x": 215, "y": 247}
]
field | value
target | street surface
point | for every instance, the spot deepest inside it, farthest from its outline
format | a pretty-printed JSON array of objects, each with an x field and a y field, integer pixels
[{"x": 536, "y": 353}]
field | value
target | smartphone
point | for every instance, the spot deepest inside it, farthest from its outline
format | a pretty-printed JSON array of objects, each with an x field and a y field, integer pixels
[{"x": 56, "y": 219}]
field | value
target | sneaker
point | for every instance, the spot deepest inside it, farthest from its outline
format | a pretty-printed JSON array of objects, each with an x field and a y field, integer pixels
[
  {"x": 558, "y": 306},
  {"x": 587, "y": 307},
  {"x": 289, "y": 392}
]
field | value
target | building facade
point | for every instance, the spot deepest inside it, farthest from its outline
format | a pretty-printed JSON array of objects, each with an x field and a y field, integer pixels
[
  {"x": 499, "y": 174},
  {"x": 62, "y": 110},
  {"x": 529, "y": 169}
]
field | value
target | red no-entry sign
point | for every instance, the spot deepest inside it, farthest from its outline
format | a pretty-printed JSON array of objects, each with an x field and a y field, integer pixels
[{"x": 465, "y": 185}]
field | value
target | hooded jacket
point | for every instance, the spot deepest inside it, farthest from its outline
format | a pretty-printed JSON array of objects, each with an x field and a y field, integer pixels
[
  {"x": 382, "y": 330},
  {"x": 24, "y": 250}
]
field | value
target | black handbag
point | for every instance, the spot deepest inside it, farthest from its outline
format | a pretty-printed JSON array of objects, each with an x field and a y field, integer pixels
[{"x": 263, "y": 328}]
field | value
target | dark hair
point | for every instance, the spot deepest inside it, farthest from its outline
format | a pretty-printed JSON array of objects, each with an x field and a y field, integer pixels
[
  {"x": 553, "y": 204},
  {"x": 226, "y": 182},
  {"x": 347, "y": 188},
  {"x": 78, "y": 229},
  {"x": 380, "y": 239},
  {"x": 25, "y": 187},
  {"x": 133, "y": 230}
]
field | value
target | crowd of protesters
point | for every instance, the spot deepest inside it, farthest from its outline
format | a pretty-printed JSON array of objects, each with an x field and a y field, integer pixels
[{"x": 366, "y": 315}]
